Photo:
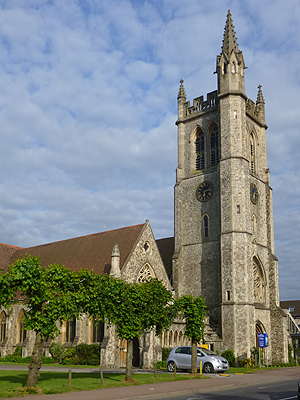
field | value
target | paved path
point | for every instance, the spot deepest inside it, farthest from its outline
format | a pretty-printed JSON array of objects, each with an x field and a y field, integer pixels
[{"x": 150, "y": 391}]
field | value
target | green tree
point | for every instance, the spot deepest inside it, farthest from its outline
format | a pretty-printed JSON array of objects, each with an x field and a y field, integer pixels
[
  {"x": 192, "y": 309},
  {"x": 133, "y": 308},
  {"x": 50, "y": 295}
]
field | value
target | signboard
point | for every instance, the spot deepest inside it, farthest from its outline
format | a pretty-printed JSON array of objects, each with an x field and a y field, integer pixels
[{"x": 263, "y": 340}]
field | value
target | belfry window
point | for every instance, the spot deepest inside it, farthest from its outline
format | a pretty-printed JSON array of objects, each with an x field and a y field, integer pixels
[
  {"x": 252, "y": 153},
  {"x": 200, "y": 155},
  {"x": 214, "y": 146}
]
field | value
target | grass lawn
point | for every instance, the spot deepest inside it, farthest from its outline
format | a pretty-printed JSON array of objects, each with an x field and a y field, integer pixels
[{"x": 57, "y": 382}]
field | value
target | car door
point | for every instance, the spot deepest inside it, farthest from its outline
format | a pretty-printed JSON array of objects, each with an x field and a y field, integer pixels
[
  {"x": 183, "y": 357},
  {"x": 201, "y": 357}
]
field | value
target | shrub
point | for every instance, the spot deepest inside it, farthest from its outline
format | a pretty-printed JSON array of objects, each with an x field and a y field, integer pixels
[
  {"x": 88, "y": 354},
  {"x": 229, "y": 355},
  {"x": 161, "y": 364},
  {"x": 245, "y": 362},
  {"x": 57, "y": 351},
  {"x": 18, "y": 351},
  {"x": 165, "y": 353},
  {"x": 16, "y": 359},
  {"x": 47, "y": 360}
]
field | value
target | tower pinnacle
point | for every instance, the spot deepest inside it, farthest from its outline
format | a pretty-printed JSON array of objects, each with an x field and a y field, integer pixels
[{"x": 229, "y": 39}]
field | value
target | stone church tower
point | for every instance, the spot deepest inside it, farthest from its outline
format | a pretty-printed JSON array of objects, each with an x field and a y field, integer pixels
[{"x": 224, "y": 240}]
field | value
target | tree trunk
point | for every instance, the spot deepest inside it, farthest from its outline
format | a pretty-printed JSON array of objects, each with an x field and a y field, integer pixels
[
  {"x": 35, "y": 362},
  {"x": 194, "y": 356},
  {"x": 129, "y": 357}
]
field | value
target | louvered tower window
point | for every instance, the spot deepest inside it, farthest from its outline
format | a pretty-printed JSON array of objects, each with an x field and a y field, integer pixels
[
  {"x": 200, "y": 155},
  {"x": 214, "y": 146},
  {"x": 252, "y": 153}
]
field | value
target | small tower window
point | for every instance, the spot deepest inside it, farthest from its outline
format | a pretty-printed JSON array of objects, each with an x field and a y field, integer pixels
[
  {"x": 233, "y": 67},
  {"x": 200, "y": 155},
  {"x": 214, "y": 146},
  {"x": 205, "y": 226}
]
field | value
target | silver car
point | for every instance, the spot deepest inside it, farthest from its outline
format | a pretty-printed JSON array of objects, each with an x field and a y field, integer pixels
[{"x": 182, "y": 357}]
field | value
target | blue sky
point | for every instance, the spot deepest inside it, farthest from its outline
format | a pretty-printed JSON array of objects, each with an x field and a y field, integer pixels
[{"x": 88, "y": 105}]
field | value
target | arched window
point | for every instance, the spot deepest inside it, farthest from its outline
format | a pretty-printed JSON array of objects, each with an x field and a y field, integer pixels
[
  {"x": 145, "y": 273},
  {"x": 97, "y": 332},
  {"x": 200, "y": 154},
  {"x": 214, "y": 146},
  {"x": 252, "y": 154},
  {"x": 205, "y": 226},
  {"x": 21, "y": 332},
  {"x": 70, "y": 330},
  {"x": 258, "y": 282},
  {"x": 2, "y": 326}
]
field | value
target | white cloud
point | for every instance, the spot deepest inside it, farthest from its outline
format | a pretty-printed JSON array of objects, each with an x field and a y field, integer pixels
[{"x": 88, "y": 106}]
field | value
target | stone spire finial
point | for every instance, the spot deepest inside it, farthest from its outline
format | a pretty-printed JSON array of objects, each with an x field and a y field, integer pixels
[
  {"x": 260, "y": 98},
  {"x": 229, "y": 39},
  {"x": 115, "y": 262},
  {"x": 181, "y": 93},
  {"x": 260, "y": 104}
]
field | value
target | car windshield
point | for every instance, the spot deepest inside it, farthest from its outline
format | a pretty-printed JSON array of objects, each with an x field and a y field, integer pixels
[{"x": 207, "y": 352}]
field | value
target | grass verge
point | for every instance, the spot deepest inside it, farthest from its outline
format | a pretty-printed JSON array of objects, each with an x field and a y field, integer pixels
[{"x": 11, "y": 382}]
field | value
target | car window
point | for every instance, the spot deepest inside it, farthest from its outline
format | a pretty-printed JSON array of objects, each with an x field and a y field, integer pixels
[
  {"x": 208, "y": 352},
  {"x": 183, "y": 350}
]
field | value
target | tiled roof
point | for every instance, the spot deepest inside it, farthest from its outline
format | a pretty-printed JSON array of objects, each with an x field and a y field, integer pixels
[
  {"x": 91, "y": 251},
  {"x": 166, "y": 249},
  {"x": 291, "y": 303},
  {"x": 6, "y": 252}
]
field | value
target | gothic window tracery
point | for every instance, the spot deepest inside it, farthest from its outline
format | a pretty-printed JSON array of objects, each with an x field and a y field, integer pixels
[
  {"x": 145, "y": 273},
  {"x": 214, "y": 146},
  {"x": 200, "y": 150},
  {"x": 258, "y": 282}
]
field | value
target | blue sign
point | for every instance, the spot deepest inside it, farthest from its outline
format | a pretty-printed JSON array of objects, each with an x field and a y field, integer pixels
[{"x": 263, "y": 340}]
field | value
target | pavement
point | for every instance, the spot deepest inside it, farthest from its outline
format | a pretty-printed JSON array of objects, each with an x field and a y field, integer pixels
[{"x": 166, "y": 389}]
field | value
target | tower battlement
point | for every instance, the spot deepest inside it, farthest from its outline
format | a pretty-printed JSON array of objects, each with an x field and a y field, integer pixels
[
  {"x": 201, "y": 105},
  {"x": 253, "y": 110}
]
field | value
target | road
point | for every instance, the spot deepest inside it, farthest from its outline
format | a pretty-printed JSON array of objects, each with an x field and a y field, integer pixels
[{"x": 286, "y": 390}]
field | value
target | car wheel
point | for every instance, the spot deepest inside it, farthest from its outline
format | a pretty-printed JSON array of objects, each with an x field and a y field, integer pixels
[
  {"x": 208, "y": 368},
  {"x": 171, "y": 365}
]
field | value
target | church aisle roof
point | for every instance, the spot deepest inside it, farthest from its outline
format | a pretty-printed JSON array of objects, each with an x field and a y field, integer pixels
[
  {"x": 166, "y": 248},
  {"x": 90, "y": 251},
  {"x": 6, "y": 252}
]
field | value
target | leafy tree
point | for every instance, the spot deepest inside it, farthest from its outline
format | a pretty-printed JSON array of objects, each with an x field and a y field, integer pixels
[
  {"x": 50, "y": 295},
  {"x": 193, "y": 311},
  {"x": 132, "y": 308}
]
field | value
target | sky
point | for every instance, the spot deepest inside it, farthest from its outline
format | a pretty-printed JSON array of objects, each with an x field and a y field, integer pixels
[{"x": 88, "y": 105}]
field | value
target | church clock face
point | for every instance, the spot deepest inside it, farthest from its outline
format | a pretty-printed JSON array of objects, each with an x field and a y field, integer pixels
[
  {"x": 253, "y": 193},
  {"x": 204, "y": 191}
]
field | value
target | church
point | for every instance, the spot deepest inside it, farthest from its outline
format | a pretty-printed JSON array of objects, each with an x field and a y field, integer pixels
[{"x": 223, "y": 244}]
